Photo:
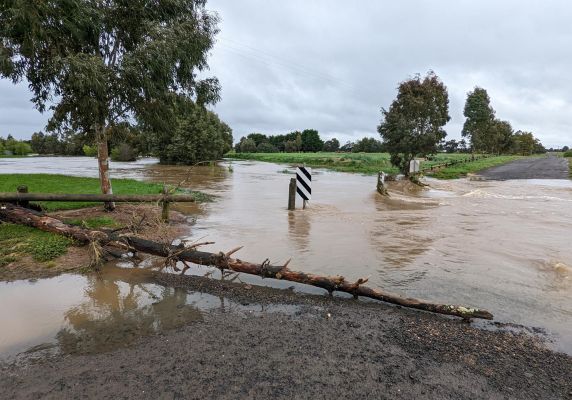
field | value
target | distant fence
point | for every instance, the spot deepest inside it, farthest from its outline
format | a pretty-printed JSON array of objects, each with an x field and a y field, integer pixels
[{"x": 453, "y": 162}]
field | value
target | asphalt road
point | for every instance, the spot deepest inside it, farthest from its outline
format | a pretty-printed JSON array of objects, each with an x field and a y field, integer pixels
[{"x": 549, "y": 167}]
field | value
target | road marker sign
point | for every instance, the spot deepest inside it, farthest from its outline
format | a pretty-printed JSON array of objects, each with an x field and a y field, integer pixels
[
  {"x": 304, "y": 182},
  {"x": 414, "y": 166}
]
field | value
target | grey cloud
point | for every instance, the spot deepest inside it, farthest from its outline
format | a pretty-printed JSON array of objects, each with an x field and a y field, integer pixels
[{"x": 331, "y": 65}]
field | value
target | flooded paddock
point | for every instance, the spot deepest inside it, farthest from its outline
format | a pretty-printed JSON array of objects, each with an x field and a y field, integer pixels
[{"x": 504, "y": 246}]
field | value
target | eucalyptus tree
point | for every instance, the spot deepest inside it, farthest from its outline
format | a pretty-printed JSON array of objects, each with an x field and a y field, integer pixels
[
  {"x": 480, "y": 124},
  {"x": 98, "y": 63},
  {"x": 413, "y": 125}
]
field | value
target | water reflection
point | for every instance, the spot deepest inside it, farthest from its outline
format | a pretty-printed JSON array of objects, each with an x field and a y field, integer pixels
[
  {"x": 99, "y": 312},
  {"x": 117, "y": 312},
  {"x": 299, "y": 224}
]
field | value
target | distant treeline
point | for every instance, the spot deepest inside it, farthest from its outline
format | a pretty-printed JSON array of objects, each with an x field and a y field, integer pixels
[
  {"x": 308, "y": 140},
  {"x": 519, "y": 143},
  {"x": 194, "y": 134},
  {"x": 523, "y": 143},
  {"x": 11, "y": 146}
]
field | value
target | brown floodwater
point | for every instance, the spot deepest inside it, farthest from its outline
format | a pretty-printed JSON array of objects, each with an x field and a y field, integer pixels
[{"x": 504, "y": 246}]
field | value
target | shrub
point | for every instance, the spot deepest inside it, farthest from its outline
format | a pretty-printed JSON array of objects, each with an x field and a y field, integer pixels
[
  {"x": 568, "y": 153},
  {"x": 123, "y": 152},
  {"x": 266, "y": 147},
  {"x": 90, "y": 151}
]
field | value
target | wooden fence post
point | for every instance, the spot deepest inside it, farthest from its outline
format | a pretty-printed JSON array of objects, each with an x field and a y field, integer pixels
[
  {"x": 292, "y": 194},
  {"x": 165, "y": 203}
]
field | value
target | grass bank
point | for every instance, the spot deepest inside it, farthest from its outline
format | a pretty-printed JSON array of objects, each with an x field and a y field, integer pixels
[
  {"x": 18, "y": 241},
  {"x": 21, "y": 245},
  {"x": 461, "y": 170},
  {"x": 47, "y": 183},
  {"x": 371, "y": 163}
]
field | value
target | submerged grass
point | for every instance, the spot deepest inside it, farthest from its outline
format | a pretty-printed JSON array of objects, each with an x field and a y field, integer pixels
[
  {"x": 371, "y": 163},
  {"x": 367, "y": 163},
  {"x": 17, "y": 241},
  {"x": 48, "y": 183}
]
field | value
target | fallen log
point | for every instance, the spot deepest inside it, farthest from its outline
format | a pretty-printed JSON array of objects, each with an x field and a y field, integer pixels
[
  {"x": 126, "y": 198},
  {"x": 224, "y": 261},
  {"x": 23, "y": 216}
]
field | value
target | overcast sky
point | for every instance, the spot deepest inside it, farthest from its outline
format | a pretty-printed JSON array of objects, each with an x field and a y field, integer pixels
[{"x": 331, "y": 65}]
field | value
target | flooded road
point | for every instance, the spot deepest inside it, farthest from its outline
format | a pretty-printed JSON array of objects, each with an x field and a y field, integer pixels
[{"x": 504, "y": 246}]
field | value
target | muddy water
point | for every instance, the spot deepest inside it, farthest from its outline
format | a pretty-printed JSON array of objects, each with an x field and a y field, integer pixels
[
  {"x": 75, "y": 314},
  {"x": 504, "y": 246}
]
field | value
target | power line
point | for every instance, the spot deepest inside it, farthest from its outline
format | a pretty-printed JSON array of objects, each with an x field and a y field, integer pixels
[{"x": 272, "y": 60}]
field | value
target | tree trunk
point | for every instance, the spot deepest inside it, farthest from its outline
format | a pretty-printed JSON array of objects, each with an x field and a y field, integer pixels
[
  {"x": 19, "y": 215},
  {"x": 103, "y": 164}
]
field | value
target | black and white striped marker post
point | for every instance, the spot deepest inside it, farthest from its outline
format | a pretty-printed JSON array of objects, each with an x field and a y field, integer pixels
[{"x": 304, "y": 183}]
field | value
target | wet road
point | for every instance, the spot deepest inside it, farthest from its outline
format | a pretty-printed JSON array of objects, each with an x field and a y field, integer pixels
[{"x": 549, "y": 167}]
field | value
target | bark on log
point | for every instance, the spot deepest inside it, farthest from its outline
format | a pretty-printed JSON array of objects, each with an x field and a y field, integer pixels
[
  {"x": 19, "y": 215},
  {"x": 23, "y": 216},
  {"x": 125, "y": 198}
]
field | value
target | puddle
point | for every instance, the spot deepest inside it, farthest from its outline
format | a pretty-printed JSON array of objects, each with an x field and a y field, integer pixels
[{"x": 75, "y": 314}]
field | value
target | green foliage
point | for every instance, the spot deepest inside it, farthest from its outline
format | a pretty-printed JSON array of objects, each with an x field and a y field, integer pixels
[
  {"x": 17, "y": 241},
  {"x": 480, "y": 116},
  {"x": 94, "y": 222},
  {"x": 413, "y": 125},
  {"x": 107, "y": 59},
  {"x": 331, "y": 145},
  {"x": 198, "y": 135},
  {"x": 524, "y": 143},
  {"x": 367, "y": 145},
  {"x": 90, "y": 151},
  {"x": 347, "y": 162},
  {"x": 123, "y": 152},
  {"x": 258, "y": 138},
  {"x": 11, "y": 146},
  {"x": 266, "y": 147},
  {"x": 568, "y": 153},
  {"x": 247, "y": 145},
  {"x": 311, "y": 141},
  {"x": 491, "y": 135},
  {"x": 48, "y": 248},
  {"x": 459, "y": 170},
  {"x": 48, "y": 183},
  {"x": 307, "y": 141},
  {"x": 453, "y": 146}
]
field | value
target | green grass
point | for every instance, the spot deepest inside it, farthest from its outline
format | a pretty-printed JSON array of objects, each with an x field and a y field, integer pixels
[
  {"x": 17, "y": 241},
  {"x": 47, "y": 183},
  {"x": 460, "y": 170},
  {"x": 570, "y": 165},
  {"x": 371, "y": 163}
]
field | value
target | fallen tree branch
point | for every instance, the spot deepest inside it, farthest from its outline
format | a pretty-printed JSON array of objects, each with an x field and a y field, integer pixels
[{"x": 19, "y": 215}]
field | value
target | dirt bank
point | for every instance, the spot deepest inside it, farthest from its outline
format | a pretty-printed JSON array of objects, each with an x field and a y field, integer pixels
[
  {"x": 140, "y": 219},
  {"x": 318, "y": 347},
  {"x": 549, "y": 167}
]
